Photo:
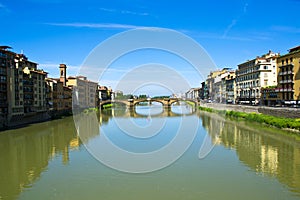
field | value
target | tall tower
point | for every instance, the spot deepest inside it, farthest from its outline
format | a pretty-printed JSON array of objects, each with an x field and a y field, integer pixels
[{"x": 63, "y": 74}]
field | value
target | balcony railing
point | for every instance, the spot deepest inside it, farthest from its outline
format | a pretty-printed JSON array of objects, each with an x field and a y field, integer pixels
[
  {"x": 287, "y": 65},
  {"x": 286, "y": 73},
  {"x": 286, "y": 81},
  {"x": 284, "y": 90}
]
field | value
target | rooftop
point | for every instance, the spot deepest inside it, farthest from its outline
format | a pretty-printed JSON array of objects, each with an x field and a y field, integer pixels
[{"x": 294, "y": 49}]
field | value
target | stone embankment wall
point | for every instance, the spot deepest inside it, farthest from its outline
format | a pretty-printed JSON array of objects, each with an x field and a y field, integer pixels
[
  {"x": 19, "y": 121},
  {"x": 274, "y": 111}
]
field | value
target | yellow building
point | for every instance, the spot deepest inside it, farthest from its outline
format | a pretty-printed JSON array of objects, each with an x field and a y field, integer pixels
[
  {"x": 289, "y": 77},
  {"x": 59, "y": 97},
  {"x": 67, "y": 102},
  {"x": 85, "y": 91},
  {"x": 213, "y": 83}
]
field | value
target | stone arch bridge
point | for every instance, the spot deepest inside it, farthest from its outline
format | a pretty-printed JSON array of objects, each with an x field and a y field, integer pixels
[{"x": 166, "y": 102}]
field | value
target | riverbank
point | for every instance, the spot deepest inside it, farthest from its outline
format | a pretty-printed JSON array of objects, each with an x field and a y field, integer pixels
[
  {"x": 278, "y": 122},
  {"x": 33, "y": 118},
  {"x": 273, "y": 111}
]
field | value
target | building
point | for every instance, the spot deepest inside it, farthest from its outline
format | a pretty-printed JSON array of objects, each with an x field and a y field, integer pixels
[
  {"x": 204, "y": 92},
  {"x": 34, "y": 87},
  {"x": 85, "y": 92},
  {"x": 214, "y": 85},
  {"x": 55, "y": 95},
  {"x": 219, "y": 87},
  {"x": 288, "y": 88},
  {"x": 22, "y": 87},
  {"x": 67, "y": 96},
  {"x": 6, "y": 63},
  {"x": 269, "y": 96},
  {"x": 230, "y": 88},
  {"x": 254, "y": 74},
  {"x": 63, "y": 74},
  {"x": 193, "y": 93},
  {"x": 105, "y": 93}
]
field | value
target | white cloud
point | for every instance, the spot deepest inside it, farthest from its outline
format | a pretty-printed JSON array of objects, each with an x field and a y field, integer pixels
[
  {"x": 97, "y": 25},
  {"x": 235, "y": 21},
  {"x": 108, "y": 10},
  {"x": 124, "y": 11},
  {"x": 229, "y": 27},
  {"x": 133, "y": 13}
]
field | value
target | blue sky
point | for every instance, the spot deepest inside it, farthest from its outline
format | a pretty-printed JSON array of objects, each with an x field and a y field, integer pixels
[{"x": 50, "y": 32}]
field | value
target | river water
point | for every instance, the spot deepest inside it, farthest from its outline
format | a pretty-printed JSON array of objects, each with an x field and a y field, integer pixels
[{"x": 50, "y": 161}]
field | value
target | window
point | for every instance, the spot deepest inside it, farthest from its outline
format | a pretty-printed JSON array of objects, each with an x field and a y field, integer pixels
[
  {"x": 265, "y": 67},
  {"x": 291, "y": 59}
]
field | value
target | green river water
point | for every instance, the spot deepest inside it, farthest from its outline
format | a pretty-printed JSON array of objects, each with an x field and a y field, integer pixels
[{"x": 50, "y": 161}]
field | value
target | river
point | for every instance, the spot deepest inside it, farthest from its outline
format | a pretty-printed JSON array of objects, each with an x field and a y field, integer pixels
[{"x": 247, "y": 160}]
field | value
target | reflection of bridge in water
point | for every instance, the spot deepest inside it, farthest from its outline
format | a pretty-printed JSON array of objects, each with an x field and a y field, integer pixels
[
  {"x": 166, "y": 112},
  {"x": 131, "y": 103}
]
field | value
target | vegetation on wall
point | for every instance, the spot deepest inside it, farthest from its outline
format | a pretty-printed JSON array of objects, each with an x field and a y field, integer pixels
[{"x": 278, "y": 122}]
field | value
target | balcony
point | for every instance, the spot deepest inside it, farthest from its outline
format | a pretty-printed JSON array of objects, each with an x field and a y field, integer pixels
[
  {"x": 284, "y": 90},
  {"x": 286, "y": 81},
  {"x": 286, "y": 73},
  {"x": 287, "y": 65}
]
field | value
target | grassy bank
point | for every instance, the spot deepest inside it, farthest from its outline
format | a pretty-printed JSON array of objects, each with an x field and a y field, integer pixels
[
  {"x": 106, "y": 106},
  {"x": 278, "y": 122},
  {"x": 190, "y": 103}
]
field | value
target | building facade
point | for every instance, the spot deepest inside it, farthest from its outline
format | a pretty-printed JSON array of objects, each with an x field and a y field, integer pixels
[
  {"x": 34, "y": 86},
  {"x": 85, "y": 92},
  {"x": 289, "y": 77},
  {"x": 6, "y": 63},
  {"x": 22, "y": 86},
  {"x": 230, "y": 88},
  {"x": 105, "y": 93},
  {"x": 193, "y": 93},
  {"x": 254, "y": 74}
]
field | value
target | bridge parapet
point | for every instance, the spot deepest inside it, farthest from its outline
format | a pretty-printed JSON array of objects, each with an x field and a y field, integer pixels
[{"x": 166, "y": 102}]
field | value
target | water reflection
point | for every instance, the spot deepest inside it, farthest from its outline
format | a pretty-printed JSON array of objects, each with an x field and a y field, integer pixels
[
  {"x": 259, "y": 148},
  {"x": 145, "y": 111},
  {"x": 25, "y": 153}
]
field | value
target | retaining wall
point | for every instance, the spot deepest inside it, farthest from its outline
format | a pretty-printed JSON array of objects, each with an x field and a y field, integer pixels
[{"x": 274, "y": 111}]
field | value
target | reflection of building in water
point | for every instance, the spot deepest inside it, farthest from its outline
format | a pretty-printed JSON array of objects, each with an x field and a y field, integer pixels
[
  {"x": 214, "y": 127},
  {"x": 269, "y": 159},
  {"x": 25, "y": 156},
  {"x": 87, "y": 125},
  {"x": 261, "y": 149}
]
